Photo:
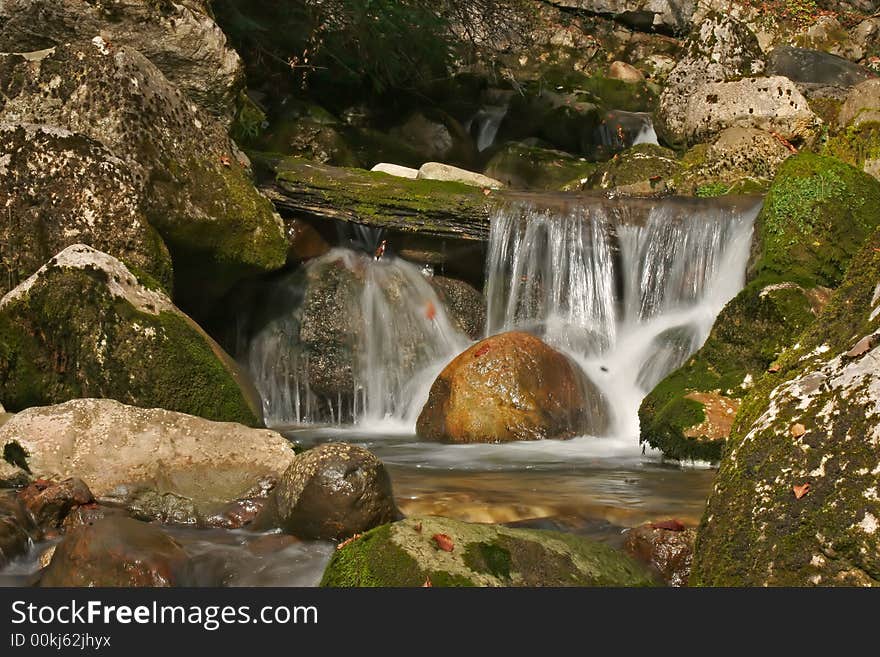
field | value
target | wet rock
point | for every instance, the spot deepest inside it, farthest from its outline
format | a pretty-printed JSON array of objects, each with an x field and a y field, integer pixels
[
  {"x": 50, "y": 502},
  {"x": 522, "y": 165},
  {"x": 669, "y": 551},
  {"x": 811, "y": 500},
  {"x": 332, "y": 492},
  {"x": 643, "y": 170},
  {"x": 438, "y": 137},
  {"x": 180, "y": 38},
  {"x": 116, "y": 552},
  {"x": 62, "y": 189},
  {"x": 89, "y": 514},
  {"x": 123, "y": 340},
  {"x": 466, "y": 305},
  {"x": 814, "y": 219},
  {"x": 193, "y": 188},
  {"x": 449, "y": 173},
  {"x": 303, "y": 240},
  {"x": 17, "y": 527},
  {"x": 511, "y": 387},
  {"x": 113, "y": 447},
  {"x": 407, "y": 553},
  {"x": 311, "y": 140}
]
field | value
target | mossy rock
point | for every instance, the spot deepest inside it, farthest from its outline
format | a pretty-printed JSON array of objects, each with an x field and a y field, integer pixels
[
  {"x": 795, "y": 501},
  {"x": 409, "y": 554},
  {"x": 85, "y": 326},
  {"x": 523, "y": 166},
  {"x": 815, "y": 217},
  {"x": 858, "y": 145},
  {"x": 645, "y": 169}
]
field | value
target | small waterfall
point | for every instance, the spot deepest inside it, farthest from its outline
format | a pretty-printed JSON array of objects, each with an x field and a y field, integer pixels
[
  {"x": 630, "y": 289},
  {"x": 620, "y": 130},
  {"x": 485, "y": 123},
  {"x": 373, "y": 361}
]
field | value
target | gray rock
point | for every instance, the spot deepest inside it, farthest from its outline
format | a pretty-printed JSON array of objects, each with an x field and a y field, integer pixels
[
  {"x": 663, "y": 15},
  {"x": 862, "y": 105},
  {"x": 449, "y": 173},
  {"x": 815, "y": 67}
]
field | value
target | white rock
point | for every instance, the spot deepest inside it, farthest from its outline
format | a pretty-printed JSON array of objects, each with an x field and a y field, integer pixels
[
  {"x": 396, "y": 170},
  {"x": 447, "y": 172}
]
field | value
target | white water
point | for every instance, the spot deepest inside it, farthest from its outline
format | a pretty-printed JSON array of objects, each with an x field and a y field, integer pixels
[
  {"x": 622, "y": 129},
  {"x": 400, "y": 338},
  {"x": 628, "y": 300},
  {"x": 485, "y": 124}
]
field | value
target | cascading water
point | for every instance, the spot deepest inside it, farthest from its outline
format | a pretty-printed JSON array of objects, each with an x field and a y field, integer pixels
[
  {"x": 485, "y": 123},
  {"x": 390, "y": 326},
  {"x": 629, "y": 289}
]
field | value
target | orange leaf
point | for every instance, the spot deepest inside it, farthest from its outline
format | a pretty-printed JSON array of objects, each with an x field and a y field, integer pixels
[
  {"x": 774, "y": 368},
  {"x": 225, "y": 161},
  {"x": 443, "y": 542},
  {"x": 427, "y": 583},
  {"x": 798, "y": 430},
  {"x": 481, "y": 351},
  {"x": 347, "y": 541},
  {"x": 430, "y": 310},
  {"x": 800, "y": 491}
]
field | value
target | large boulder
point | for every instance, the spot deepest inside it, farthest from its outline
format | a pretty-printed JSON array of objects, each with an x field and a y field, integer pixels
[
  {"x": 180, "y": 38},
  {"x": 194, "y": 190},
  {"x": 643, "y": 170},
  {"x": 815, "y": 67},
  {"x": 61, "y": 189},
  {"x": 523, "y": 165},
  {"x": 332, "y": 492},
  {"x": 510, "y": 387},
  {"x": 862, "y": 105},
  {"x": 112, "y": 447},
  {"x": 815, "y": 218},
  {"x": 431, "y": 551},
  {"x": 85, "y": 326},
  {"x": 116, "y": 552},
  {"x": 672, "y": 16},
  {"x": 795, "y": 501}
]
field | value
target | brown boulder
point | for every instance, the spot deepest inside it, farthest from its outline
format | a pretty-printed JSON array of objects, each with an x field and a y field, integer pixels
[
  {"x": 50, "y": 502},
  {"x": 118, "y": 552},
  {"x": 668, "y": 547},
  {"x": 17, "y": 528},
  {"x": 333, "y": 491},
  {"x": 510, "y": 387}
]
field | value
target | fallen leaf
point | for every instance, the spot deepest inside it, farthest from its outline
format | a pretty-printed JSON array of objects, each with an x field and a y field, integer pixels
[
  {"x": 430, "y": 310},
  {"x": 487, "y": 191},
  {"x": 481, "y": 351},
  {"x": 672, "y": 525},
  {"x": 348, "y": 540},
  {"x": 655, "y": 178},
  {"x": 800, "y": 491},
  {"x": 427, "y": 583},
  {"x": 443, "y": 542},
  {"x": 225, "y": 161},
  {"x": 419, "y": 528},
  {"x": 797, "y": 430},
  {"x": 862, "y": 347},
  {"x": 774, "y": 368}
]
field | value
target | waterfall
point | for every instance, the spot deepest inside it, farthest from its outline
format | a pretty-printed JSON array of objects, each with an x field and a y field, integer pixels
[
  {"x": 628, "y": 288},
  {"x": 373, "y": 361},
  {"x": 485, "y": 123}
]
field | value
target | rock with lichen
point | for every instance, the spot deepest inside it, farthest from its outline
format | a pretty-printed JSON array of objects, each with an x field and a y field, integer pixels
[
  {"x": 193, "y": 188},
  {"x": 122, "y": 338},
  {"x": 795, "y": 502},
  {"x": 62, "y": 188},
  {"x": 432, "y": 551}
]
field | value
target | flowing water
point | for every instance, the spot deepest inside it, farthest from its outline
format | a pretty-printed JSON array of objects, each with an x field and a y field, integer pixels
[{"x": 485, "y": 123}]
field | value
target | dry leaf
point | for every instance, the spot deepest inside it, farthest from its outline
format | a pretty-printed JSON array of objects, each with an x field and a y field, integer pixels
[
  {"x": 798, "y": 430},
  {"x": 671, "y": 525},
  {"x": 487, "y": 191},
  {"x": 225, "y": 161},
  {"x": 443, "y": 542},
  {"x": 348, "y": 540},
  {"x": 481, "y": 351},
  {"x": 427, "y": 583},
  {"x": 800, "y": 491},
  {"x": 774, "y": 368}
]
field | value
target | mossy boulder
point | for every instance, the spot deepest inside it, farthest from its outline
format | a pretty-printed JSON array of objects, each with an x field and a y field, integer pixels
[
  {"x": 815, "y": 217},
  {"x": 508, "y": 387},
  {"x": 643, "y": 170},
  {"x": 132, "y": 456},
  {"x": 858, "y": 145},
  {"x": 795, "y": 501},
  {"x": 442, "y": 552},
  {"x": 193, "y": 188},
  {"x": 179, "y": 37},
  {"x": 85, "y": 326},
  {"x": 60, "y": 189},
  {"x": 521, "y": 165}
]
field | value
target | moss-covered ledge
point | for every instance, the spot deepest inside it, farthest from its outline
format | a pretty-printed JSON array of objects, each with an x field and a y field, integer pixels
[{"x": 430, "y": 207}]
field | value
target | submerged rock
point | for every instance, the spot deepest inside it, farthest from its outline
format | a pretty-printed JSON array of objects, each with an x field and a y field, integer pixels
[
  {"x": 180, "y": 38},
  {"x": 60, "y": 189},
  {"x": 510, "y": 387},
  {"x": 801, "y": 465},
  {"x": 332, "y": 492},
  {"x": 431, "y": 551},
  {"x": 814, "y": 219},
  {"x": 116, "y": 552},
  {"x": 193, "y": 189},
  {"x": 121, "y": 339},
  {"x": 115, "y": 448}
]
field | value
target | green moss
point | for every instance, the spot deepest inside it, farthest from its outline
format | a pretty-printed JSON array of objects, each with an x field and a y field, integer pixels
[
  {"x": 855, "y": 144},
  {"x": 52, "y": 351},
  {"x": 249, "y": 120},
  {"x": 710, "y": 190},
  {"x": 522, "y": 166},
  {"x": 488, "y": 558}
]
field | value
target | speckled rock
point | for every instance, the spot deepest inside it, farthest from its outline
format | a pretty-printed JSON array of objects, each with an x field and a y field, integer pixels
[
  {"x": 795, "y": 502},
  {"x": 815, "y": 217},
  {"x": 60, "y": 189},
  {"x": 114, "y": 448},
  {"x": 510, "y": 387},
  {"x": 465, "y": 304},
  {"x": 411, "y": 553},
  {"x": 121, "y": 339},
  {"x": 116, "y": 552},
  {"x": 194, "y": 190},
  {"x": 334, "y": 491},
  {"x": 180, "y": 37}
]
